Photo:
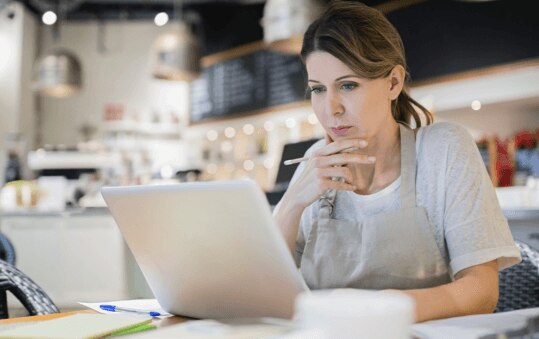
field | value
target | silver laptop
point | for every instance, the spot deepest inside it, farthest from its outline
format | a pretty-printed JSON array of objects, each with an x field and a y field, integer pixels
[{"x": 208, "y": 249}]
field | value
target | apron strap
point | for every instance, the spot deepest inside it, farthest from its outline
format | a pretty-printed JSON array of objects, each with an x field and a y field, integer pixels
[
  {"x": 408, "y": 168},
  {"x": 327, "y": 203}
]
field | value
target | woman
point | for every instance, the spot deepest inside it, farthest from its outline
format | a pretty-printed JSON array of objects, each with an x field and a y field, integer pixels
[{"x": 382, "y": 206}]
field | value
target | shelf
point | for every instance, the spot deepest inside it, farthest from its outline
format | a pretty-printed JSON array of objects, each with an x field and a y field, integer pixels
[
  {"x": 145, "y": 128},
  {"x": 39, "y": 160},
  {"x": 159, "y": 129},
  {"x": 120, "y": 126}
]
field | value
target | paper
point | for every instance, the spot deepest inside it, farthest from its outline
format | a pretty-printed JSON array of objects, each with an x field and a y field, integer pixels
[
  {"x": 224, "y": 329},
  {"x": 474, "y": 326},
  {"x": 142, "y": 304},
  {"x": 76, "y": 326}
]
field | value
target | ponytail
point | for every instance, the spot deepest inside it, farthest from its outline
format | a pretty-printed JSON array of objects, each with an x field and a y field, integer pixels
[{"x": 404, "y": 108}]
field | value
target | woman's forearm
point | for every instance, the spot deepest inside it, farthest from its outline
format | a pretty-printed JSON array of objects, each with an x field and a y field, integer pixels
[
  {"x": 288, "y": 215},
  {"x": 474, "y": 292}
]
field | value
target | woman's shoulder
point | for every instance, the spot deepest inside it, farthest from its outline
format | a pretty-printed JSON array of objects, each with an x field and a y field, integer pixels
[
  {"x": 445, "y": 129},
  {"x": 444, "y": 134}
]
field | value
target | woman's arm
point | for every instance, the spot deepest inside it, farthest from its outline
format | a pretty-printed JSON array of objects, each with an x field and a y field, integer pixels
[
  {"x": 288, "y": 215},
  {"x": 474, "y": 291}
]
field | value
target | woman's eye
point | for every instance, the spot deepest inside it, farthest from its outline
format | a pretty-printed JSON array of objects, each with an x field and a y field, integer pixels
[
  {"x": 317, "y": 89},
  {"x": 348, "y": 86}
]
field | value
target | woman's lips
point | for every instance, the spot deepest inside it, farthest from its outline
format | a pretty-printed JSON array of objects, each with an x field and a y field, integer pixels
[{"x": 340, "y": 130}]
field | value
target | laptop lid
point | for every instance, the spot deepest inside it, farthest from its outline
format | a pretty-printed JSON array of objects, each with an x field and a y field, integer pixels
[{"x": 208, "y": 249}]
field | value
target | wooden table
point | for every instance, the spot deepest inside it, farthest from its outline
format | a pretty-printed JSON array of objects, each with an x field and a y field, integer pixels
[{"x": 164, "y": 322}]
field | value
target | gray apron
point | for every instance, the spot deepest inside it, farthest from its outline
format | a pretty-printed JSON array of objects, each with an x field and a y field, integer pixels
[{"x": 390, "y": 250}]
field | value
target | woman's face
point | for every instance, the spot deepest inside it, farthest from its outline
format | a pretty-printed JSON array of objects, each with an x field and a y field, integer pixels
[{"x": 346, "y": 105}]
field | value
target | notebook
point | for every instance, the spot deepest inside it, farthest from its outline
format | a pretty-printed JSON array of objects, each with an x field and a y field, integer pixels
[
  {"x": 208, "y": 249},
  {"x": 77, "y": 326}
]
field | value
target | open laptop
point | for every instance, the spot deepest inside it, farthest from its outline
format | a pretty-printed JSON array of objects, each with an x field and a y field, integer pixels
[{"x": 208, "y": 249}]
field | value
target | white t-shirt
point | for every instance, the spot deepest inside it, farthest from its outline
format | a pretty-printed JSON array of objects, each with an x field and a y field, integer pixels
[{"x": 452, "y": 184}]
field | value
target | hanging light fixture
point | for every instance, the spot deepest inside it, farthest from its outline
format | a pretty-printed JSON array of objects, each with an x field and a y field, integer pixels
[
  {"x": 285, "y": 21},
  {"x": 59, "y": 72},
  {"x": 176, "y": 53}
]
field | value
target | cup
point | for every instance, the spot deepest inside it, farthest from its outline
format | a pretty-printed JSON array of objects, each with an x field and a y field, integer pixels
[{"x": 353, "y": 313}]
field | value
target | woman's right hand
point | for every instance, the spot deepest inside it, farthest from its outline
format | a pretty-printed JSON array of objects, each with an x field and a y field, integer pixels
[{"x": 320, "y": 171}]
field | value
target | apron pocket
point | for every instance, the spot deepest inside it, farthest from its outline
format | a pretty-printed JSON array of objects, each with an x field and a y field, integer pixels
[
  {"x": 331, "y": 254},
  {"x": 401, "y": 245},
  {"x": 339, "y": 238}
]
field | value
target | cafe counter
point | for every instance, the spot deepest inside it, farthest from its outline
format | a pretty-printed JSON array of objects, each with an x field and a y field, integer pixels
[{"x": 75, "y": 255}]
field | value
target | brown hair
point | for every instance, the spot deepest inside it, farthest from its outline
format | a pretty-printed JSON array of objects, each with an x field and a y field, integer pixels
[{"x": 363, "y": 39}]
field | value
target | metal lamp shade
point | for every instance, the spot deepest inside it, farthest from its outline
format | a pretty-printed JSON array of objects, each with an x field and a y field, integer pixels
[
  {"x": 58, "y": 74},
  {"x": 286, "y": 21},
  {"x": 176, "y": 55}
]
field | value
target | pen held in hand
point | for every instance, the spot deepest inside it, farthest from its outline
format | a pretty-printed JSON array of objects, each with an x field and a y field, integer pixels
[
  {"x": 114, "y": 308},
  {"x": 297, "y": 160}
]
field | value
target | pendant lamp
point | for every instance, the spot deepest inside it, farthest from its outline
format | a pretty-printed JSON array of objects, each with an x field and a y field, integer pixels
[
  {"x": 58, "y": 74},
  {"x": 176, "y": 53},
  {"x": 286, "y": 21}
]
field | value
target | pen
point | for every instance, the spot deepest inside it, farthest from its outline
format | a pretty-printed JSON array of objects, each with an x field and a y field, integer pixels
[
  {"x": 113, "y": 308},
  {"x": 296, "y": 160}
]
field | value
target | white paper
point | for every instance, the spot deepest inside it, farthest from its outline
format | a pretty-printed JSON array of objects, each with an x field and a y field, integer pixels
[
  {"x": 246, "y": 328},
  {"x": 139, "y": 304},
  {"x": 474, "y": 326},
  {"x": 422, "y": 331}
]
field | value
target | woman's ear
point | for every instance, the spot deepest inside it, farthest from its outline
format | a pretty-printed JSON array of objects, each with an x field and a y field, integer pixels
[{"x": 396, "y": 81}]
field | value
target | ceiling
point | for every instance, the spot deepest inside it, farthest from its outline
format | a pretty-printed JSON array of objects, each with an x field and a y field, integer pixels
[
  {"x": 141, "y": 9},
  {"x": 441, "y": 36},
  {"x": 222, "y": 24}
]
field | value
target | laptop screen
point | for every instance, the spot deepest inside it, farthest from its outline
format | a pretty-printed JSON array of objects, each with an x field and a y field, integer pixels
[{"x": 290, "y": 151}]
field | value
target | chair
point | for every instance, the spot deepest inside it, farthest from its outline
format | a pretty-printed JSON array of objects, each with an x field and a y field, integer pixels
[
  {"x": 31, "y": 296},
  {"x": 7, "y": 251},
  {"x": 519, "y": 284}
]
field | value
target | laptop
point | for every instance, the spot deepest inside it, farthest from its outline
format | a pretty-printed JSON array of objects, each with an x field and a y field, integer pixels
[{"x": 208, "y": 249}]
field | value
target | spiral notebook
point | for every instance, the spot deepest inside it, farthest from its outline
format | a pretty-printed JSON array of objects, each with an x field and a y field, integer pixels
[{"x": 77, "y": 326}]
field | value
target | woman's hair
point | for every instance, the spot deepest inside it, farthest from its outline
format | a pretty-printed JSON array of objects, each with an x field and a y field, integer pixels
[{"x": 363, "y": 39}]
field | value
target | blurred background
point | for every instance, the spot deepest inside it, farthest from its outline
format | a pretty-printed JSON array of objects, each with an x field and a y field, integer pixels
[{"x": 127, "y": 92}]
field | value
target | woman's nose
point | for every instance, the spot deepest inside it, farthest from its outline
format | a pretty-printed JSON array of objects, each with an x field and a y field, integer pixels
[{"x": 334, "y": 105}]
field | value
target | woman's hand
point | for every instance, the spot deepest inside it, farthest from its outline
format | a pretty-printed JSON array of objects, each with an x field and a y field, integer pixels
[{"x": 326, "y": 169}]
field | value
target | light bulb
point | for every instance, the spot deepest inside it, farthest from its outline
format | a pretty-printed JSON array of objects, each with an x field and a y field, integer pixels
[
  {"x": 161, "y": 19},
  {"x": 476, "y": 105},
  {"x": 49, "y": 18}
]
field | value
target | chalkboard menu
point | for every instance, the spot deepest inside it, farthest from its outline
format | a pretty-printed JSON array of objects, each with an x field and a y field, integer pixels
[{"x": 243, "y": 84}]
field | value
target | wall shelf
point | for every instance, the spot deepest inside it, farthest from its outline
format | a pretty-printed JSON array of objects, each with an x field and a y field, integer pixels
[
  {"x": 143, "y": 128},
  {"x": 40, "y": 160}
]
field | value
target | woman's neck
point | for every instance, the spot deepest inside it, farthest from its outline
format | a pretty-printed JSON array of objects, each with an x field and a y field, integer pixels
[{"x": 386, "y": 147}]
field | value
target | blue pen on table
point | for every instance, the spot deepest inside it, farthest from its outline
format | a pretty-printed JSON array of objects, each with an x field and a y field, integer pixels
[{"x": 114, "y": 308}]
